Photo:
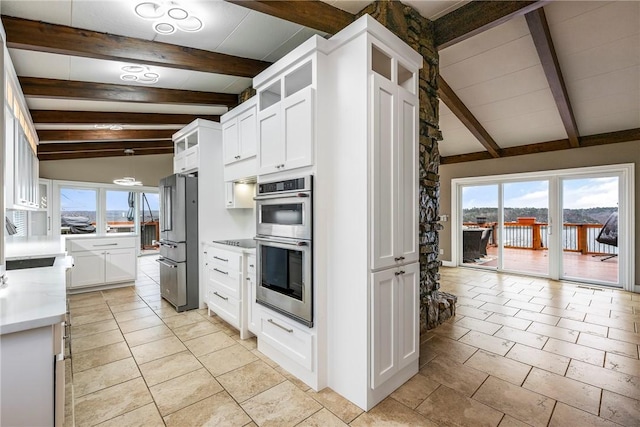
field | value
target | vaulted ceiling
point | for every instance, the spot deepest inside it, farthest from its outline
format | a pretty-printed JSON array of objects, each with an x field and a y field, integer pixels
[{"x": 516, "y": 77}]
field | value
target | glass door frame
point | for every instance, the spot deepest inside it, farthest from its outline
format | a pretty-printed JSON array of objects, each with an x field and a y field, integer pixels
[{"x": 626, "y": 210}]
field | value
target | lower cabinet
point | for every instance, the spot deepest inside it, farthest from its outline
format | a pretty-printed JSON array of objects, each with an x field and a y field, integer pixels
[
  {"x": 252, "y": 306},
  {"x": 287, "y": 337},
  {"x": 101, "y": 261},
  {"x": 32, "y": 377},
  {"x": 394, "y": 321},
  {"x": 226, "y": 287}
]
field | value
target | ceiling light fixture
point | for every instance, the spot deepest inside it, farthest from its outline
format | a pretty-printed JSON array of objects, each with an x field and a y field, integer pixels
[
  {"x": 128, "y": 181},
  {"x": 169, "y": 17},
  {"x": 140, "y": 74}
]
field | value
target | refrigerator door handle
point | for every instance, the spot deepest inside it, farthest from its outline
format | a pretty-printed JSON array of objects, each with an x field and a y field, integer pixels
[{"x": 166, "y": 264}]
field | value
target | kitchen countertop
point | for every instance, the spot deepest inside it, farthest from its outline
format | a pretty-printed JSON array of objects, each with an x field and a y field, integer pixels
[
  {"x": 34, "y": 297},
  {"x": 33, "y": 247},
  {"x": 98, "y": 236},
  {"x": 250, "y": 251}
]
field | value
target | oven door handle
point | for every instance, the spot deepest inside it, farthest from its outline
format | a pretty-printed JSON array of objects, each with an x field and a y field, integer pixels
[
  {"x": 301, "y": 194},
  {"x": 267, "y": 240}
]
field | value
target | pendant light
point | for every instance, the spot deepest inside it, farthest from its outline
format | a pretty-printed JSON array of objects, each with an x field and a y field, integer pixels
[{"x": 128, "y": 181}]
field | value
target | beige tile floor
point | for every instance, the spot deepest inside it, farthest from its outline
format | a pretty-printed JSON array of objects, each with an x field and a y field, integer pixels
[{"x": 520, "y": 351}]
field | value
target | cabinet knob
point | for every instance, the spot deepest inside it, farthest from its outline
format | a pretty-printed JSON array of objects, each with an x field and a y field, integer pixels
[
  {"x": 399, "y": 258},
  {"x": 398, "y": 273}
]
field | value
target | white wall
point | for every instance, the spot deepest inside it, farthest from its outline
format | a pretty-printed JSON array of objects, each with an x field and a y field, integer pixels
[{"x": 149, "y": 169}]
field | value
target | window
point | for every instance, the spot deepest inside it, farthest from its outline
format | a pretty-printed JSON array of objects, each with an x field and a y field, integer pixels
[
  {"x": 120, "y": 211},
  {"x": 78, "y": 213}
]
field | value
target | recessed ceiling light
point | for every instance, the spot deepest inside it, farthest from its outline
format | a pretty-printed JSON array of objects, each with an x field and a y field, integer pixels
[
  {"x": 178, "y": 13},
  {"x": 151, "y": 75},
  {"x": 190, "y": 25},
  {"x": 128, "y": 77},
  {"x": 149, "y": 10},
  {"x": 164, "y": 28},
  {"x": 127, "y": 181}
]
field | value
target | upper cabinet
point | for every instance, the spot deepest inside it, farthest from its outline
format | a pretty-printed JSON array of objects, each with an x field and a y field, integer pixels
[
  {"x": 186, "y": 145},
  {"x": 286, "y": 119},
  {"x": 21, "y": 165},
  {"x": 239, "y": 141}
]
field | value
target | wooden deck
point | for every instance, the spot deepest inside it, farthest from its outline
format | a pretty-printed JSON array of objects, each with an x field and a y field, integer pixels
[{"x": 576, "y": 265}]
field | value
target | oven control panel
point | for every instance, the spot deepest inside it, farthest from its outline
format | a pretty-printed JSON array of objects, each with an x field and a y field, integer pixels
[{"x": 296, "y": 184}]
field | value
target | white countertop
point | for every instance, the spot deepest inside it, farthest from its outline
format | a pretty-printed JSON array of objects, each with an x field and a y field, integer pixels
[
  {"x": 33, "y": 247},
  {"x": 34, "y": 297},
  {"x": 98, "y": 236}
]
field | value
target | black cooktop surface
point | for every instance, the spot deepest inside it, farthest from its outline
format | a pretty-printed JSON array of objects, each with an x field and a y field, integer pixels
[{"x": 241, "y": 243}]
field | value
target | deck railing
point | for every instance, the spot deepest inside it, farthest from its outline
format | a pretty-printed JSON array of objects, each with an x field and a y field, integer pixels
[{"x": 575, "y": 237}]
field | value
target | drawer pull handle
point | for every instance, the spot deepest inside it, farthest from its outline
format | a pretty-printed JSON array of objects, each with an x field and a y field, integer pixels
[
  {"x": 220, "y": 296},
  {"x": 220, "y": 271},
  {"x": 221, "y": 259},
  {"x": 106, "y": 244},
  {"x": 399, "y": 258},
  {"x": 280, "y": 326},
  {"x": 398, "y": 273},
  {"x": 251, "y": 265}
]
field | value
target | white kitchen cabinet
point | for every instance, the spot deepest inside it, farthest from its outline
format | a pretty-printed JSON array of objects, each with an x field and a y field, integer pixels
[
  {"x": 287, "y": 337},
  {"x": 238, "y": 195},
  {"x": 286, "y": 124},
  {"x": 239, "y": 141},
  {"x": 21, "y": 164},
  {"x": 186, "y": 144},
  {"x": 32, "y": 377},
  {"x": 40, "y": 219},
  {"x": 226, "y": 289},
  {"x": 394, "y": 176},
  {"x": 394, "y": 321},
  {"x": 101, "y": 261}
]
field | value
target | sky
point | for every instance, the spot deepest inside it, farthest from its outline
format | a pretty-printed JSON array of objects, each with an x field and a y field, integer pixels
[
  {"x": 72, "y": 199},
  {"x": 577, "y": 194}
]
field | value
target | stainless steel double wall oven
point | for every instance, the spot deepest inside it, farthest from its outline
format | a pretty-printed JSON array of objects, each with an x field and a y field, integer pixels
[{"x": 284, "y": 216}]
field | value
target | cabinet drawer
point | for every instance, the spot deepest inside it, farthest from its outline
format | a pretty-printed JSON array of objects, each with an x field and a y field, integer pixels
[
  {"x": 227, "y": 260},
  {"x": 74, "y": 245},
  {"x": 224, "y": 305},
  {"x": 227, "y": 280},
  {"x": 287, "y": 338}
]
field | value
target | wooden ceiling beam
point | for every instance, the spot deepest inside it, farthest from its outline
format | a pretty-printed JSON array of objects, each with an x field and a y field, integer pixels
[
  {"x": 95, "y": 154},
  {"x": 544, "y": 147},
  {"x": 66, "y": 147},
  {"x": 60, "y": 39},
  {"x": 478, "y": 16},
  {"x": 66, "y": 89},
  {"x": 309, "y": 13},
  {"x": 539, "y": 28},
  {"x": 115, "y": 117},
  {"x": 448, "y": 96},
  {"x": 105, "y": 134}
]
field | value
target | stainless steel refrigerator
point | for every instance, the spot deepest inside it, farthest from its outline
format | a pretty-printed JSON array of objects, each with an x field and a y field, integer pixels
[{"x": 179, "y": 241}]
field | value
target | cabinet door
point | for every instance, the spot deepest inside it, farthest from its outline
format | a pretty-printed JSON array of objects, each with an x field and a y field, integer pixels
[
  {"x": 120, "y": 265},
  {"x": 252, "y": 308},
  {"x": 297, "y": 111},
  {"x": 230, "y": 141},
  {"x": 408, "y": 315},
  {"x": 384, "y": 197},
  {"x": 408, "y": 175},
  {"x": 88, "y": 268},
  {"x": 247, "y": 134},
  {"x": 270, "y": 143},
  {"x": 384, "y": 307}
]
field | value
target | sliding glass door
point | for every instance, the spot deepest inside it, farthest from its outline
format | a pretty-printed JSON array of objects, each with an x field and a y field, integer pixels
[
  {"x": 573, "y": 224},
  {"x": 590, "y": 229},
  {"x": 525, "y": 229}
]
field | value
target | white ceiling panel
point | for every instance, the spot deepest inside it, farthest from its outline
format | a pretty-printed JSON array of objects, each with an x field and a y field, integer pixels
[
  {"x": 351, "y": 6},
  {"x": 502, "y": 60},
  {"x": 110, "y": 16},
  {"x": 219, "y": 19},
  {"x": 595, "y": 27},
  {"x": 294, "y": 41},
  {"x": 130, "y": 107},
  {"x": 52, "y": 11},
  {"x": 559, "y": 11},
  {"x": 505, "y": 87},
  {"x": 534, "y": 127},
  {"x": 528, "y": 103},
  {"x": 249, "y": 39},
  {"x": 457, "y": 139},
  {"x": 491, "y": 39},
  {"x": 434, "y": 9},
  {"x": 37, "y": 64},
  {"x": 610, "y": 113}
]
